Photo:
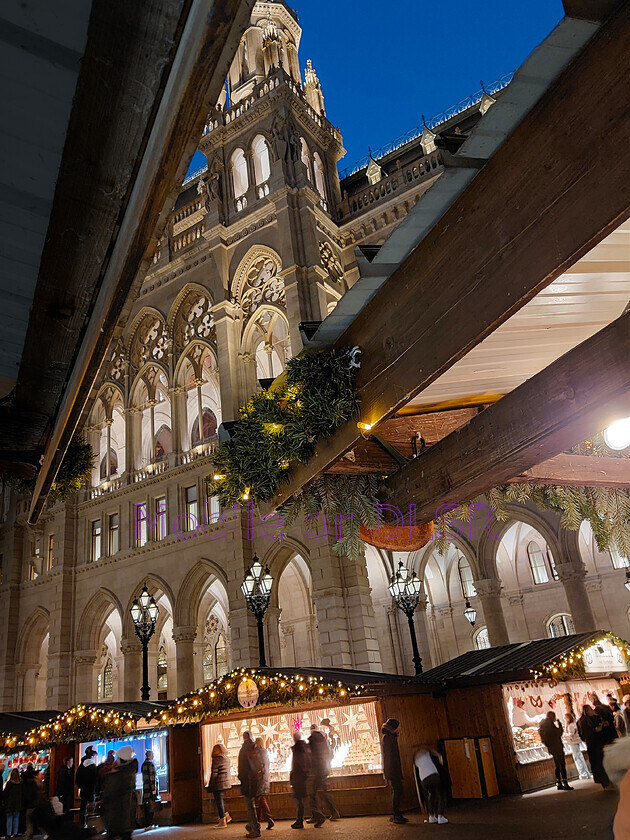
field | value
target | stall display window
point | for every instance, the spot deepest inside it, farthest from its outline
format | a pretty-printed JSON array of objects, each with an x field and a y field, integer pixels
[
  {"x": 140, "y": 743},
  {"x": 353, "y": 734},
  {"x": 40, "y": 760}
]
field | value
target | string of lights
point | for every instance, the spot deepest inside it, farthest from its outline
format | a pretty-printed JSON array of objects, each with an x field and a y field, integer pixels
[{"x": 570, "y": 665}]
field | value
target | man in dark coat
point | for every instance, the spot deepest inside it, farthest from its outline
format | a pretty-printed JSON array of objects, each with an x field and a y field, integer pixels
[
  {"x": 321, "y": 756},
  {"x": 248, "y": 774},
  {"x": 119, "y": 796},
  {"x": 64, "y": 784},
  {"x": 392, "y": 768},
  {"x": 550, "y": 731},
  {"x": 300, "y": 768},
  {"x": 149, "y": 788},
  {"x": 86, "y": 779}
]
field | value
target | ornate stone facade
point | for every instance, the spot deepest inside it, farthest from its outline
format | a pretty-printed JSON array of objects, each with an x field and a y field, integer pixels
[{"x": 260, "y": 241}]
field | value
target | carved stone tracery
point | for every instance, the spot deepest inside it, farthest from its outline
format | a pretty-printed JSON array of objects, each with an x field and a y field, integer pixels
[{"x": 194, "y": 321}]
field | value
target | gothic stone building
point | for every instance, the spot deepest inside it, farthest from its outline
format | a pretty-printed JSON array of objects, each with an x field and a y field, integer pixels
[{"x": 263, "y": 239}]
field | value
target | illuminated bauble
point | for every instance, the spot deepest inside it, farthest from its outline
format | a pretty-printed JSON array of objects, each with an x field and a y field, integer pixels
[
  {"x": 396, "y": 538},
  {"x": 617, "y": 436},
  {"x": 247, "y": 693}
]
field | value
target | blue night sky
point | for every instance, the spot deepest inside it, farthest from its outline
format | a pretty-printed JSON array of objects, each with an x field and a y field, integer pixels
[{"x": 382, "y": 65}]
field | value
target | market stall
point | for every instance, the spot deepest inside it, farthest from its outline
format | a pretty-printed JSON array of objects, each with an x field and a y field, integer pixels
[{"x": 559, "y": 675}]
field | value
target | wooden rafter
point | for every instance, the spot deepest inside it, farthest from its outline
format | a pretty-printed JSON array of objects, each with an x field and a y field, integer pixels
[{"x": 542, "y": 202}]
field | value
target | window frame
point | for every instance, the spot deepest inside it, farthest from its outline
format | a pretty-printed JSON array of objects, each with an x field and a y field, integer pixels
[
  {"x": 567, "y": 626},
  {"x": 542, "y": 565},
  {"x": 96, "y": 540},
  {"x": 113, "y": 531}
]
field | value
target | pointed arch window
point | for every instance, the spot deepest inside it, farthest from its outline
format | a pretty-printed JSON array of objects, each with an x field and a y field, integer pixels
[
  {"x": 162, "y": 670},
  {"x": 240, "y": 181},
  {"x": 262, "y": 168},
  {"x": 220, "y": 655},
  {"x": 105, "y": 681},
  {"x": 320, "y": 180},
  {"x": 466, "y": 578},
  {"x": 305, "y": 156},
  {"x": 209, "y": 427}
]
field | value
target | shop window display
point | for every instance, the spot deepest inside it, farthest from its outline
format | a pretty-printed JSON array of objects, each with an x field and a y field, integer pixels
[
  {"x": 528, "y": 703},
  {"x": 352, "y": 731},
  {"x": 140, "y": 742},
  {"x": 40, "y": 759}
]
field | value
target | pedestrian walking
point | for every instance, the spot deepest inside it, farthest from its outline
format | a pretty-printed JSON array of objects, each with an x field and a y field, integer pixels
[
  {"x": 263, "y": 811},
  {"x": 574, "y": 742},
  {"x": 432, "y": 775},
  {"x": 64, "y": 784},
  {"x": 219, "y": 782},
  {"x": 33, "y": 796},
  {"x": 609, "y": 733},
  {"x": 149, "y": 788},
  {"x": 13, "y": 802},
  {"x": 550, "y": 731},
  {"x": 248, "y": 771},
  {"x": 619, "y": 718},
  {"x": 321, "y": 756},
  {"x": 119, "y": 796},
  {"x": 300, "y": 769},
  {"x": 590, "y": 727},
  {"x": 86, "y": 779},
  {"x": 392, "y": 768}
]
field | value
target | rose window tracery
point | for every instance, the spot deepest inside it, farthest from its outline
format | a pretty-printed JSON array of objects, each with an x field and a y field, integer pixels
[
  {"x": 194, "y": 320},
  {"x": 150, "y": 342},
  {"x": 262, "y": 285}
]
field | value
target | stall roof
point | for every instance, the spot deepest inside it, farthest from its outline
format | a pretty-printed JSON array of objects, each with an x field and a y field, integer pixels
[
  {"x": 344, "y": 675},
  {"x": 19, "y": 723},
  {"x": 140, "y": 708},
  {"x": 506, "y": 663}
]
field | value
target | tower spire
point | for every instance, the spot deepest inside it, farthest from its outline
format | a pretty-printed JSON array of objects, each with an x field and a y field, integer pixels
[{"x": 313, "y": 89}]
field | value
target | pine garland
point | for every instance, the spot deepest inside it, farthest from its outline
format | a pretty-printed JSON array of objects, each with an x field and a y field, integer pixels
[
  {"x": 282, "y": 425},
  {"x": 75, "y": 471},
  {"x": 220, "y": 697}
]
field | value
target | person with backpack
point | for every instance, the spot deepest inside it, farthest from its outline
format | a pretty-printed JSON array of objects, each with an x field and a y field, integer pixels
[{"x": 249, "y": 768}]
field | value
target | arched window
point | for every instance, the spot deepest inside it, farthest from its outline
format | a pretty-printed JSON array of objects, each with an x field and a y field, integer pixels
[
  {"x": 466, "y": 578},
  {"x": 113, "y": 464},
  {"x": 209, "y": 428},
  {"x": 538, "y": 563},
  {"x": 220, "y": 656},
  {"x": 560, "y": 625},
  {"x": 163, "y": 443},
  {"x": 618, "y": 560},
  {"x": 162, "y": 670},
  {"x": 320, "y": 180},
  {"x": 481, "y": 638},
  {"x": 105, "y": 682},
  {"x": 306, "y": 157},
  {"x": 240, "y": 180},
  {"x": 262, "y": 169}
]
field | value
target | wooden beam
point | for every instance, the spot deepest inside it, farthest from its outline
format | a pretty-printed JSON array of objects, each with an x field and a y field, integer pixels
[
  {"x": 150, "y": 74},
  {"x": 596, "y": 10},
  {"x": 584, "y": 390},
  {"x": 579, "y": 470},
  {"x": 540, "y": 204}
]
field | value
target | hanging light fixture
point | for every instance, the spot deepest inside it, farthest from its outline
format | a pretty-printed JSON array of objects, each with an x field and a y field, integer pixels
[{"x": 470, "y": 613}]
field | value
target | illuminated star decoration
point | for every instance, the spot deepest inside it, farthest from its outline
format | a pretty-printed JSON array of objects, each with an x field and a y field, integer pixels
[{"x": 351, "y": 720}]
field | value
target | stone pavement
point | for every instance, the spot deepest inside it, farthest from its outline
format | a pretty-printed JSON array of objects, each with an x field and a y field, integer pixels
[{"x": 583, "y": 814}]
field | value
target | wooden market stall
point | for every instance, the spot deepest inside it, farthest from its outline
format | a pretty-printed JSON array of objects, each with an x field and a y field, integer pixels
[{"x": 514, "y": 686}]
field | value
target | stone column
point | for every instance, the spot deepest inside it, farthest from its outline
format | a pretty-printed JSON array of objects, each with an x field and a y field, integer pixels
[
  {"x": 61, "y": 642},
  {"x": 361, "y": 617},
  {"x": 572, "y": 576},
  {"x": 84, "y": 676},
  {"x": 328, "y": 597},
  {"x": 184, "y": 638},
  {"x": 422, "y": 632},
  {"x": 489, "y": 592},
  {"x": 272, "y": 636},
  {"x": 132, "y": 652}
]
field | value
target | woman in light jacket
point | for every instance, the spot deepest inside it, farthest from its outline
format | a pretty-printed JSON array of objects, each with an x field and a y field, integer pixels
[
  {"x": 574, "y": 742},
  {"x": 220, "y": 782}
]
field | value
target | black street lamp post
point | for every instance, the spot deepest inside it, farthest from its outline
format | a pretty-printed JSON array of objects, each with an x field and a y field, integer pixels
[
  {"x": 144, "y": 612},
  {"x": 256, "y": 588},
  {"x": 405, "y": 589}
]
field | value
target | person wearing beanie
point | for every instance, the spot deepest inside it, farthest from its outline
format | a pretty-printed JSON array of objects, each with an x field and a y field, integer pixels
[
  {"x": 392, "y": 768},
  {"x": 119, "y": 795}
]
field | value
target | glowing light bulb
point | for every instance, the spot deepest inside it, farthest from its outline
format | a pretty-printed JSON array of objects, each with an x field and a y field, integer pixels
[
  {"x": 364, "y": 427},
  {"x": 617, "y": 435},
  {"x": 218, "y": 477}
]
